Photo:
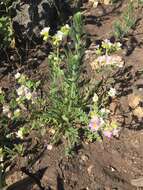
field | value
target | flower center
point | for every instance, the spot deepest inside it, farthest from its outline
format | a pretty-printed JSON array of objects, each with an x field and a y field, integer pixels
[{"x": 95, "y": 125}]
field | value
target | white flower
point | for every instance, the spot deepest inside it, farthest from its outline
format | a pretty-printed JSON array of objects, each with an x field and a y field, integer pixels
[
  {"x": 107, "y": 42},
  {"x": 65, "y": 29},
  {"x": 45, "y": 31},
  {"x": 95, "y": 97},
  {"x": 20, "y": 133},
  {"x": 118, "y": 45},
  {"x": 20, "y": 90},
  {"x": 17, "y": 112},
  {"x": 17, "y": 75},
  {"x": 28, "y": 96},
  {"x": 9, "y": 114},
  {"x": 112, "y": 92},
  {"x": 25, "y": 92},
  {"x": 18, "y": 99},
  {"x": 67, "y": 26},
  {"x": 6, "y": 109},
  {"x": 59, "y": 35}
]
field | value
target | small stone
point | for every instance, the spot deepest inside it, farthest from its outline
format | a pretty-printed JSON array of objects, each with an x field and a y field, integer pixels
[
  {"x": 89, "y": 169},
  {"x": 84, "y": 157},
  {"x": 12, "y": 57},
  {"x": 49, "y": 147},
  {"x": 133, "y": 100}
]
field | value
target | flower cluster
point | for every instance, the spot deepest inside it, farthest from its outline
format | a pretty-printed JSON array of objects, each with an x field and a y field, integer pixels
[
  {"x": 107, "y": 47},
  {"x": 22, "y": 100},
  {"x": 110, "y": 47},
  {"x": 112, "y": 92},
  {"x": 111, "y": 60},
  {"x": 58, "y": 37},
  {"x": 21, "y": 132},
  {"x": 106, "y": 128},
  {"x": 99, "y": 123},
  {"x": 6, "y": 110},
  {"x": 24, "y": 91},
  {"x": 105, "y": 56},
  {"x": 111, "y": 129}
]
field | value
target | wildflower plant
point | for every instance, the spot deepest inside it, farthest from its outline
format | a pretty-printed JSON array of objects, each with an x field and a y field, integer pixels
[
  {"x": 128, "y": 20},
  {"x": 66, "y": 108},
  {"x": 16, "y": 118},
  {"x": 100, "y": 124}
]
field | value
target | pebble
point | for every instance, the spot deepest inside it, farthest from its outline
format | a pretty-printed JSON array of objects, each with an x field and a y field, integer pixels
[
  {"x": 84, "y": 157},
  {"x": 49, "y": 147},
  {"x": 89, "y": 169}
]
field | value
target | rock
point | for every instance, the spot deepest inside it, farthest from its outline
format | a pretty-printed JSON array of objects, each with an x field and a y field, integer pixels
[
  {"x": 137, "y": 182},
  {"x": 134, "y": 100},
  {"x": 31, "y": 17}
]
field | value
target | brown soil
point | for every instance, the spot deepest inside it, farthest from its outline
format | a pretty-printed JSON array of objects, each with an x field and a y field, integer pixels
[{"x": 115, "y": 164}]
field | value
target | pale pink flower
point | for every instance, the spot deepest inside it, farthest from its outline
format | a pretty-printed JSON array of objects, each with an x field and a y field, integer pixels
[
  {"x": 96, "y": 123},
  {"x": 107, "y": 134}
]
